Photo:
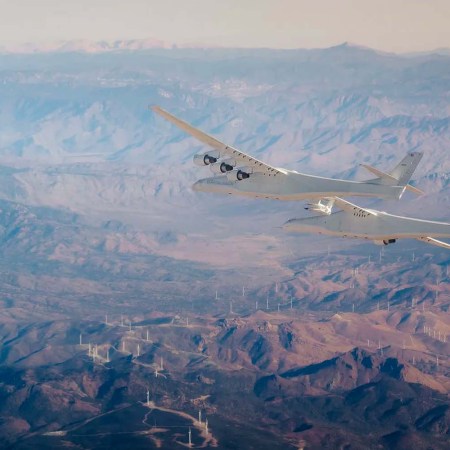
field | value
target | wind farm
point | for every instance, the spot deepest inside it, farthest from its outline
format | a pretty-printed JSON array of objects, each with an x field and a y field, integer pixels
[{"x": 281, "y": 351}]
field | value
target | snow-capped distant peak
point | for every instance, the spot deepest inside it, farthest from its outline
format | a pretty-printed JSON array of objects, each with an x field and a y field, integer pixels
[{"x": 83, "y": 46}]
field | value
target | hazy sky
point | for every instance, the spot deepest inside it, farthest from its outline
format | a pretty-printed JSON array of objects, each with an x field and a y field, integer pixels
[{"x": 392, "y": 25}]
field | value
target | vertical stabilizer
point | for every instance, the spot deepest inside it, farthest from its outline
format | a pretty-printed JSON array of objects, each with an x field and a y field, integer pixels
[{"x": 405, "y": 169}]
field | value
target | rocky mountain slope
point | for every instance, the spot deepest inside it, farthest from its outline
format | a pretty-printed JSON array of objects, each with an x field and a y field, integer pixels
[{"x": 262, "y": 381}]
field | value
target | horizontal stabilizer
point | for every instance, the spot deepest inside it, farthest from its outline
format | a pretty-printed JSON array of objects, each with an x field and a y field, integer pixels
[
  {"x": 401, "y": 174},
  {"x": 434, "y": 242},
  {"x": 391, "y": 179},
  {"x": 414, "y": 190}
]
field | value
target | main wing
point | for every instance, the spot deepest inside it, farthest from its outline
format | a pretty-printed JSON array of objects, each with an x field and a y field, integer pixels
[
  {"x": 352, "y": 208},
  {"x": 224, "y": 150},
  {"x": 433, "y": 241}
]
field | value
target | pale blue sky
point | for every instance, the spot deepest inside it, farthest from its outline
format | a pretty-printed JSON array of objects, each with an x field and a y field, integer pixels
[{"x": 391, "y": 25}]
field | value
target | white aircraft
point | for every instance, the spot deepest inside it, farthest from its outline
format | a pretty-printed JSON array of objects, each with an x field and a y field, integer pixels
[
  {"x": 380, "y": 227},
  {"x": 240, "y": 174}
]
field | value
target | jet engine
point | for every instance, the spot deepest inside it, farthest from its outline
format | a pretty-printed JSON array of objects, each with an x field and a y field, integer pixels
[
  {"x": 240, "y": 174},
  {"x": 206, "y": 158},
  {"x": 224, "y": 166},
  {"x": 386, "y": 242}
]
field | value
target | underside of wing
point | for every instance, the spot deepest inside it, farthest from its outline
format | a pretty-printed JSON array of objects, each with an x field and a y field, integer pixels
[
  {"x": 224, "y": 151},
  {"x": 434, "y": 242}
]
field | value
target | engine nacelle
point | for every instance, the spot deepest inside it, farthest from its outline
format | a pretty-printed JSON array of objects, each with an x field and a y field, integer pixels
[
  {"x": 385, "y": 241},
  {"x": 239, "y": 175},
  {"x": 206, "y": 158},
  {"x": 231, "y": 162},
  {"x": 221, "y": 167}
]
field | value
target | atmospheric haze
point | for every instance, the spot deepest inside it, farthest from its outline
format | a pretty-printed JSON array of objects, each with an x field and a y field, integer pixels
[
  {"x": 389, "y": 25},
  {"x": 138, "y": 312}
]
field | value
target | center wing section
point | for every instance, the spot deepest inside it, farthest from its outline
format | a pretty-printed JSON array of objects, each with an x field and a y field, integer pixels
[
  {"x": 224, "y": 150},
  {"x": 352, "y": 208}
]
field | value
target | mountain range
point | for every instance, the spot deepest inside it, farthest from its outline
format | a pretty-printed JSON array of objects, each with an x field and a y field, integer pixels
[{"x": 285, "y": 340}]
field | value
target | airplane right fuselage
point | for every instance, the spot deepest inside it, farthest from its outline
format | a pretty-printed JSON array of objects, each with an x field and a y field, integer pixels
[{"x": 374, "y": 225}]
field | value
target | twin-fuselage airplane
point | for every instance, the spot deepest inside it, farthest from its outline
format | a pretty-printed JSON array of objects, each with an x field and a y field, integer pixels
[
  {"x": 240, "y": 174},
  {"x": 355, "y": 222}
]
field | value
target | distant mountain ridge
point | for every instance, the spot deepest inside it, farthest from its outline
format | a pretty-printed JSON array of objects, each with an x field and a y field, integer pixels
[
  {"x": 137, "y": 44},
  {"x": 83, "y": 46}
]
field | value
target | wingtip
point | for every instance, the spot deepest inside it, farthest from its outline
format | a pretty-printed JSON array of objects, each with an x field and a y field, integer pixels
[{"x": 432, "y": 241}]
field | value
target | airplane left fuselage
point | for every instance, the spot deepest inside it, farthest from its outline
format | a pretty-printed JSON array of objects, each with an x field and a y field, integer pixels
[
  {"x": 368, "y": 224},
  {"x": 244, "y": 175},
  {"x": 291, "y": 185}
]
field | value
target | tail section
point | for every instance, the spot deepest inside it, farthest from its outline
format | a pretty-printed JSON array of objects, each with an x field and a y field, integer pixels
[{"x": 401, "y": 174}]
